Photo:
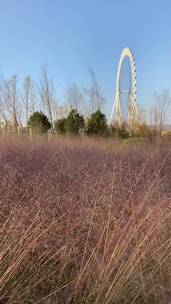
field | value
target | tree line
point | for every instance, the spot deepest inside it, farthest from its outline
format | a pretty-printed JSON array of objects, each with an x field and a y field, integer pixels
[
  {"x": 75, "y": 124},
  {"x": 19, "y": 100},
  {"x": 35, "y": 105}
]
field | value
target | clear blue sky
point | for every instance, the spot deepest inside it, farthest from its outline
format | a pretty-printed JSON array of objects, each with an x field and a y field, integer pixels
[{"x": 70, "y": 36}]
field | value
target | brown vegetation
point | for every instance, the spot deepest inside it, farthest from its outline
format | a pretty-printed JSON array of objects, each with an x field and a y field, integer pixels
[{"x": 84, "y": 221}]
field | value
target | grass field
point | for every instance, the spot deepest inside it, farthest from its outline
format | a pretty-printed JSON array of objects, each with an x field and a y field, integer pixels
[{"x": 85, "y": 221}]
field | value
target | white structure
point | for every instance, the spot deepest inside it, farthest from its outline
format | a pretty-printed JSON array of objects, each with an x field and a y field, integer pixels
[{"x": 116, "y": 114}]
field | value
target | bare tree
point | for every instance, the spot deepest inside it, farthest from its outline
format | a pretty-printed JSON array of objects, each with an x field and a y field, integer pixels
[
  {"x": 62, "y": 110},
  {"x": 96, "y": 100},
  {"x": 74, "y": 98},
  {"x": 11, "y": 105},
  {"x": 141, "y": 114},
  {"x": 3, "y": 118},
  {"x": 46, "y": 90},
  {"x": 160, "y": 111},
  {"x": 28, "y": 97}
]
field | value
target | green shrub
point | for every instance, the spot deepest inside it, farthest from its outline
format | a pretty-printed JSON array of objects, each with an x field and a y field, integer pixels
[
  {"x": 122, "y": 131},
  {"x": 60, "y": 125},
  {"x": 97, "y": 124},
  {"x": 113, "y": 131},
  {"x": 74, "y": 122},
  {"x": 39, "y": 122}
]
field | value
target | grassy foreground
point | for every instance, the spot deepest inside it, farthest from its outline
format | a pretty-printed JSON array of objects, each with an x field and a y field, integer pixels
[{"x": 85, "y": 221}]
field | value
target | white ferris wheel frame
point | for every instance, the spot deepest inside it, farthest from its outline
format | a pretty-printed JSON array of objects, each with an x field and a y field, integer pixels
[{"x": 132, "y": 108}]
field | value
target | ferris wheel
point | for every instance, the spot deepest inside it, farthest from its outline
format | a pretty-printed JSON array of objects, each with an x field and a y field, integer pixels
[{"x": 117, "y": 111}]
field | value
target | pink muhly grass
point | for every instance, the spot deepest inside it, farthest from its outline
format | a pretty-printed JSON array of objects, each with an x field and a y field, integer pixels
[{"x": 84, "y": 221}]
